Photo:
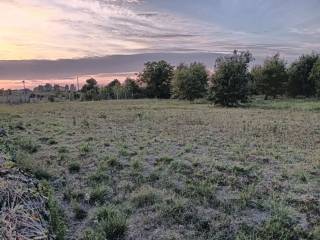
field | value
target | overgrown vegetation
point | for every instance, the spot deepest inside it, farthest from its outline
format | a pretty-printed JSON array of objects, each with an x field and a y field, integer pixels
[
  {"x": 173, "y": 170},
  {"x": 56, "y": 214}
]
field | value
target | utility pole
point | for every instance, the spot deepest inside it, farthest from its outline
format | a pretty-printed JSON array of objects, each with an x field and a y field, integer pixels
[
  {"x": 24, "y": 91},
  {"x": 78, "y": 83}
]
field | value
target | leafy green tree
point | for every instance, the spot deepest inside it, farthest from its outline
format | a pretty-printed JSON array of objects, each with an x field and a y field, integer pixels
[
  {"x": 116, "y": 89},
  {"x": 113, "y": 83},
  {"x": 156, "y": 78},
  {"x": 111, "y": 91},
  {"x": 48, "y": 87},
  {"x": 131, "y": 88},
  {"x": 190, "y": 82},
  {"x": 90, "y": 90},
  {"x": 315, "y": 77},
  {"x": 56, "y": 88},
  {"x": 255, "y": 79},
  {"x": 299, "y": 72},
  {"x": 274, "y": 77},
  {"x": 230, "y": 80}
]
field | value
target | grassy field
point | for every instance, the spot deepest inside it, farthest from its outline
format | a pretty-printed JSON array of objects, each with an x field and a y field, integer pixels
[{"x": 150, "y": 169}]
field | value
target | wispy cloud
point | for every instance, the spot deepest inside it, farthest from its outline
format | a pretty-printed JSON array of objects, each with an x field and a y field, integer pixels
[{"x": 52, "y": 29}]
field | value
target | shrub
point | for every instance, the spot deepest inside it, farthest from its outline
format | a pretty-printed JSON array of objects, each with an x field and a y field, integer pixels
[
  {"x": 112, "y": 223},
  {"x": 280, "y": 226},
  {"x": 100, "y": 194},
  {"x": 19, "y": 125},
  {"x": 79, "y": 212},
  {"x": 113, "y": 162},
  {"x": 41, "y": 173},
  {"x": 145, "y": 196},
  {"x": 62, "y": 150},
  {"x": 93, "y": 234},
  {"x": 178, "y": 211},
  {"x": 27, "y": 145},
  {"x": 52, "y": 142},
  {"x": 51, "y": 98},
  {"x": 203, "y": 190},
  {"x": 56, "y": 215},
  {"x": 164, "y": 160},
  {"x": 84, "y": 149},
  {"x": 230, "y": 81},
  {"x": 74, "y": 167},
  {"x": 137, "y": 165},
  {"x": 99, "y": 176}
]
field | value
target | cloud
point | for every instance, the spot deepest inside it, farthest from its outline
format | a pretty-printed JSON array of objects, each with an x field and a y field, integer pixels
[{"x": 54, "y": 29}]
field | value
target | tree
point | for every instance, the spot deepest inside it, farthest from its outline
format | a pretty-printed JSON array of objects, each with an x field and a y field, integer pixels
[
  {"x": 299, "y": 72},
  {"x": 131, "y": 88},
  {"x": 113, "y": 89},
  {"x": 48, "y": 87},
  {"x": 190, "y": 82},
  {"x": 40, "y": 88},
  {"x": 255, "y": 79},
  {"x": 273, "y": 77},
  {"x": 315, "y": 77},
  {"x": 113, "y": 83},
  {"x": 73, "y": 88},
  {"x": 230, "y": 80},
  {"x": 90, "y": 90},
  {"x": 56, "y": 88},
  {"x": 156, "y": 78}
]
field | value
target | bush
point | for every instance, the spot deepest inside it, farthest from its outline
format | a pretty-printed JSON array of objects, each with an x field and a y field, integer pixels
[
  {"x": 79, "y": 212},
  {"x": 27, "y": 145},
  {"x": 84, "y": 149},
  {"x": 52, "y": 142},
  {"x": 279, "y": 227},
  {"x": 56, "y": 215},
  {"x": 51, "y": 98},
  {"x": 93, "y": 234},
  {"x": 178, "y": 211},
  {"x": 74, "y": 167},
  {"x": 40, "y": 173},
  {"x": 230, "y": 81},
  {"x": 145, "y": 196},
  {"x": 112, "y": 223},
  {"x": 100, "y": 194}
]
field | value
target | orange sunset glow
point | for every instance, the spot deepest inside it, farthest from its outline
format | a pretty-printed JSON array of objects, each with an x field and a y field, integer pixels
[{"x": 104, "y": 79}]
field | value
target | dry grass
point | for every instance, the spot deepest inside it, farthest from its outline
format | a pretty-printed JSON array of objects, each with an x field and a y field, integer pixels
[
  {"x": 23, "y": 212},
  {"x": 177, "y": 170}
]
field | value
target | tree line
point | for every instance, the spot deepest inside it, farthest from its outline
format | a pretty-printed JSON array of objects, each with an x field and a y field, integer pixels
[{"x": 233, "y": 82}]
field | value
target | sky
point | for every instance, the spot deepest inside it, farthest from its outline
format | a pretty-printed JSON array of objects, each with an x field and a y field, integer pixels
[{"x": 93, "y": 29}]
